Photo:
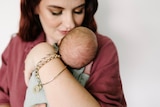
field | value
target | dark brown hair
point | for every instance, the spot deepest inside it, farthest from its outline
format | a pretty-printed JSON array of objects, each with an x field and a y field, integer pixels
[{"x": 30, "y": 26}]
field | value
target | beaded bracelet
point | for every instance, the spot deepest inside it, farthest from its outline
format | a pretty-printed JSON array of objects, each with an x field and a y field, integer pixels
[
  {"x": 41, "y": 63},
  {"x": 45, "y": 60}
]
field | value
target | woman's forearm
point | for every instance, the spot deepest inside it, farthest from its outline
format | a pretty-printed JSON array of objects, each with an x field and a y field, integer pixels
[
  {"x": 4, "y": 105},
  {"x": 64, "y": 91}
]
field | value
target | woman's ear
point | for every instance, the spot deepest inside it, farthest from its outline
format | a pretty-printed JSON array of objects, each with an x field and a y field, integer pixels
[{"x": 36, "y": 11}]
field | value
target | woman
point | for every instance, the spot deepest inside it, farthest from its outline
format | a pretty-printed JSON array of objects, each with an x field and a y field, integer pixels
[{"x": 50, "y": 21}]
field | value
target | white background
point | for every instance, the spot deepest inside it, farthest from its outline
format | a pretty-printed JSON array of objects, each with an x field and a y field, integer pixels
[{"x": 134, "y": 26}]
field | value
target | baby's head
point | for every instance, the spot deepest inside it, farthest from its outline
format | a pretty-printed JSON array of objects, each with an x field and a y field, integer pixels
[{"x": 78, "y": 47}]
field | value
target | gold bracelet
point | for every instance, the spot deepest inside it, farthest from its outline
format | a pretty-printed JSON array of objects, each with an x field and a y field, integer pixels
[
  {"x": 45, "y": 60},
  {"x": 41, "y": 63},
  {"x": 40, "y": 85},
  {"x": 54, "y": 77}
]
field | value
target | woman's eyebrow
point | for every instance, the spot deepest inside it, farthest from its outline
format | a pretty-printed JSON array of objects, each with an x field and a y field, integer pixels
[
  {"x": 82, "y": 5},
  {"x": 58, "y": 7},
  {"x": 54, "y": 6}
]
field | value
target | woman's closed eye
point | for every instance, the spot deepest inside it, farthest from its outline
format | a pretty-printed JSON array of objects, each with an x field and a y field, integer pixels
[
  {"x": 56, "y": 12},
  {"x": 79, "y": 11}
]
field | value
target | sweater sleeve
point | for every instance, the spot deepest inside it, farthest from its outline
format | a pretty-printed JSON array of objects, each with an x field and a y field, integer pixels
[
  {"x": 4, "y": 93},
  {"x": 105, "y": 82}
]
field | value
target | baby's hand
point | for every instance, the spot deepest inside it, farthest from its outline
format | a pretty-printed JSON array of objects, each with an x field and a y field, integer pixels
[
  {"x": 40, "y": 105},
  {"x": 88, "y": 67}
]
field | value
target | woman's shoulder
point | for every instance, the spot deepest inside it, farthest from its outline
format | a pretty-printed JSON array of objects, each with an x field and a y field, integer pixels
[
  {"x": 104, "y": 40},
  {"x": 16, "y": 39},
  {"x": 106, "y": 50},
  {"x": 17, "y": 44}
]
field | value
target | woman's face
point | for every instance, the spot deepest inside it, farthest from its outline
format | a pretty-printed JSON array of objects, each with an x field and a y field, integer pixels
[{"x": 60, "y": 16}]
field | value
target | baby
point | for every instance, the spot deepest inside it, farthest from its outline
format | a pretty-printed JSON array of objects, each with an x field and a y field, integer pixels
[
  {"x": 78, "y": 47},
  {"x": 77, "y": 50}
]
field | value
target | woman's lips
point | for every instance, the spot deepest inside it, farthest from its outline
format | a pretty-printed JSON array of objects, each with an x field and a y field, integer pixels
[{"x": 64, "y": 32}]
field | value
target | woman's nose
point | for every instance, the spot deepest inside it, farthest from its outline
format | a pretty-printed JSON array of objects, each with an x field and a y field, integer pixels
[{"x": 69, "y": 22}]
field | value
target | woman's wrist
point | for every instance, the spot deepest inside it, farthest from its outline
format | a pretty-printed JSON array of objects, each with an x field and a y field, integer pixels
[
  {"x": 45, "y": 61},
  {"x": 50, "y": 71},
  {"x": 41, "y": 51}
]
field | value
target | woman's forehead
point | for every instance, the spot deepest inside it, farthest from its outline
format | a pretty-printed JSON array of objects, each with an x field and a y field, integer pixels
[{"x": 63, "y": 3}]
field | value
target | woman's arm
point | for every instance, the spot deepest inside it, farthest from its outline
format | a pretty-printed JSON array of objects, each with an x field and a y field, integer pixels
[
  {"x": 63, "y": 91},
  {"x": 4, "y": 105}
]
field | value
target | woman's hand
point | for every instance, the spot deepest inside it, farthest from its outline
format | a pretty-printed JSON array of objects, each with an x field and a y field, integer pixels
[{"x": 34, "y": 56}]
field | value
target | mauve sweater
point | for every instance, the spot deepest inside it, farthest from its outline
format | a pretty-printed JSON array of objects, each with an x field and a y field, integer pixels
[{"x": 104, "y": 82}]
